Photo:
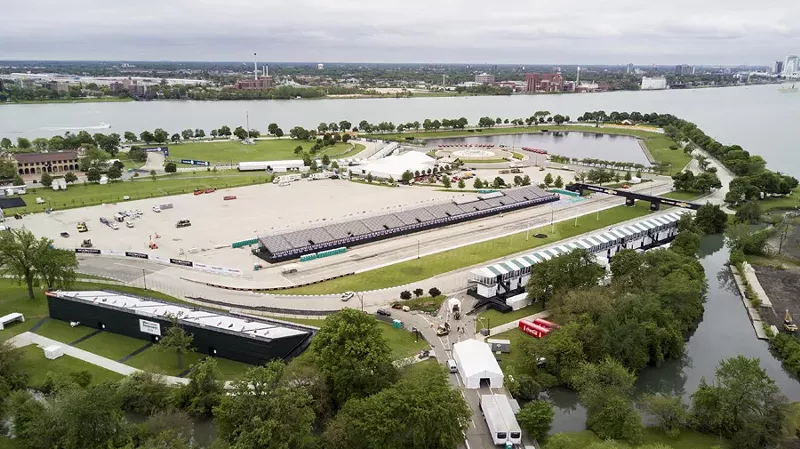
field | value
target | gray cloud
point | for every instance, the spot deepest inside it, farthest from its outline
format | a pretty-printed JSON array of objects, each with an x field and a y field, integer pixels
[{"x": 511, "y": 31}]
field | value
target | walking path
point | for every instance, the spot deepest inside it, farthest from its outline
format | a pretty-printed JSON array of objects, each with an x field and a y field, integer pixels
[
  {"x": 512, "y": 325},
  {"x": 752, "y": 312},
  {"x": 29, "y": 338}
]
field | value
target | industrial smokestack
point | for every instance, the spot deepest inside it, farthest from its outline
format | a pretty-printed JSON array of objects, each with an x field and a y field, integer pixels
[
  {"x": 255, "y": 67},
  {"x": 578, "y": 80},
  {"x": 266, "y": 71}
]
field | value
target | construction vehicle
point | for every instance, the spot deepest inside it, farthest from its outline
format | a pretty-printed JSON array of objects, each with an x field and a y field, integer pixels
[
  {"x": 788, "y": 324},
  {"x": 82, "y": 227},
  {"x": 443, "y": 329},
  {"x": 86, "y": 243}
]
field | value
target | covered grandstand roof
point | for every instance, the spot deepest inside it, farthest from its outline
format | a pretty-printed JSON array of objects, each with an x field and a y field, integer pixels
[
  {"x": 305, "y": 240},
  {"x": 589, "y": 243},
  {"x": 149, "y": 307}
]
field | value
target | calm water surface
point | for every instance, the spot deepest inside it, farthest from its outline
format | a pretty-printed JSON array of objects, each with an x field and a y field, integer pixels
[{"x": 759, "y": 118}]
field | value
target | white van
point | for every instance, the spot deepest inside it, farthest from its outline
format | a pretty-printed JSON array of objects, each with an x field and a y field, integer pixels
[
  {"x": 291, "y": 268},
  {"x": 128, "y": 223},
  {"x": 451, "y": 366}
]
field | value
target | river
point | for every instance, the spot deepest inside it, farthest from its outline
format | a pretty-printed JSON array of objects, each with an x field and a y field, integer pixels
[
  {"x": 759, "y": 118},
  {"x": 726, "y": 331}
]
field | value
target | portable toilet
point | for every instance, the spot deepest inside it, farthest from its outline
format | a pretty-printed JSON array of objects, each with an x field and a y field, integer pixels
[{"x": 397, "y": 324}]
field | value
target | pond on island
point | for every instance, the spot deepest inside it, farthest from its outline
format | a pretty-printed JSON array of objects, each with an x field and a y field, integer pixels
[
  {"x": 724, "y": 332},
  {"x": 570, "y": 144}
]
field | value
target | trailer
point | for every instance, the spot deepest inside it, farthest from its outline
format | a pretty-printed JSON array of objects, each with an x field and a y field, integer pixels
[
  {"x": 500, "y": 419},
  {"x": 287, "y": 178},
  {"x": 166, "y": 206},
  {"x": 322, "y": 175}
]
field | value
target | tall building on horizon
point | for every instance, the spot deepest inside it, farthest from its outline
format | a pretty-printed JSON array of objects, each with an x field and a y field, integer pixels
[
  {"x": 630, "y": 68},
  {"x": 791, "y": 66},
  {"x": 683, "y": 69},
  {"x": 777, "y": 67}
]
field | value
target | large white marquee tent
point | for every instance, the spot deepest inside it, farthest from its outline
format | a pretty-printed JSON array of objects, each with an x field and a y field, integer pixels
[{"x": 477, "y": 365}]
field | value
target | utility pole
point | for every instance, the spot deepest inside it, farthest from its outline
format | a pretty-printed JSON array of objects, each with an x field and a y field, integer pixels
[
  {"x": 247, "y": 123},
  {"x": 417, "y": 249},
  {"x": 144, "y": 278}
]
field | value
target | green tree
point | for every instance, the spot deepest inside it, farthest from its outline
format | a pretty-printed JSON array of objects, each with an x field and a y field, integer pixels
[
  {"x": 93, "y": 175},
  {"x": 344, "y": 125},
  {"x": 187, "y": 134},
  {"x": 175, "y": 138},
  {"x": 240, "y": 133},
  {"x": 322, "y": 127},
  {"x": 176, "y": 339},
  {"x": 406, "y": 177},
  {"x": 605, "y": 390},
  {"x": 298, "y": 150},
  {"x": 498, "y": 182},
  {"x": 711, "y": 219},
  {"x": 742, "y": 404},
  {"x": 147, "y": 137},
  {"x": 558, "y": 183},
  {"x": 160, "y": 136},
  {"x": 421, "y": 411},
  {"x": 171, "y": 167},
  {"x": 352, "y": 353},
  {"x": 446, "y": 182},
  {"x": 70, "y": 177},
  {"x": 114, "y": 173},
  {"x": 536, "y": 417},
  {"x": 461, "y": 183},
  {"x": 56, "y": 268},
  {"x": 199, "y": 133},
  {"x": 153, "y": 175},
  {"x": 670, "y": 412},
  {"x": 23, "y": 143},
  {"x": 370, "y": 178},
  {"x": 41, "y": 143},
  {"x": 749, "y": 212},
  {"x": 129, "y": 137},
  {"x": 574, "y": 270},
  {"x": 24, "y": 258},
  {"x": 272, "y": 127},
  {"x": 326, "y": 160},
  {"x": 266, "y": 411},
  {"x": 144, "y": 393},
  {"x": 46, "y": 180},
  {"x": 628, "y": 176},
  {"x": 5, "y": 143},
  {"x": 204, "y": 390},
  {"x": 526, "y": 180},
  {"x": 477, "y": 184}
]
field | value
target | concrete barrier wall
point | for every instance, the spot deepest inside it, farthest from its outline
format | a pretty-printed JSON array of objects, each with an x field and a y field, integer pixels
[{"x": 162, "y": 260}]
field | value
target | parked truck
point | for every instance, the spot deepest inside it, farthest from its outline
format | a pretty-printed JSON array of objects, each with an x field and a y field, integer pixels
[
  {"x": 500, "y": 419},
  {"x": 454, "y": 304},
  {"x": 322, "y": 175}
]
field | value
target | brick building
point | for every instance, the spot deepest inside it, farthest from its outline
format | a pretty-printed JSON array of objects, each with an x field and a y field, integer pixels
[
  {"x": 544, "y": 82},
  {"x": 254, "y": 84},
  {"x": 37, "y": 163}
]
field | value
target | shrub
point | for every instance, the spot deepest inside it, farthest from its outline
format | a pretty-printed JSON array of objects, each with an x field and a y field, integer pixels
[
  {"x": 405, "y": 294},
  {"x": 434, "y": 292},
  {"x": 418, "y": 292},
  {"x": 82, "y": 377}
]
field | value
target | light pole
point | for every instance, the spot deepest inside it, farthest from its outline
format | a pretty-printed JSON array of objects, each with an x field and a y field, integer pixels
[
  {"x": 552, "y": 219},
  {"x": 144, "y": 278},
  {"x": 417, "y": 249}
]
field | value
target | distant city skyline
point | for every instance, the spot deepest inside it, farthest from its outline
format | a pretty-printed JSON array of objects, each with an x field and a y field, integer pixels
[{"x": 618, "y": 32}]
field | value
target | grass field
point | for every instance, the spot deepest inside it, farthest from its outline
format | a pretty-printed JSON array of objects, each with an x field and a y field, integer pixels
[
  {"x": 432, "y": 265},
  {"x": 494, "y": 318},
  {"x": 679, "y": 195},
  {"x": 62, "y": 331},
  {"x": 483, "y": 161},
  {"x": 35, "y": 363},
  {"x": 791, "y": 201},
  {"x": 231, "y": 152},
  {"x": 81, "y": 195},
  {"x": 111, "y": 346},
  {"x": 686, "y": 440}
]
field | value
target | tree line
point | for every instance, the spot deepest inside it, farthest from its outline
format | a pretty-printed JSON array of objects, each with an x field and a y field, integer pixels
[{"x": 344, "y": 392}]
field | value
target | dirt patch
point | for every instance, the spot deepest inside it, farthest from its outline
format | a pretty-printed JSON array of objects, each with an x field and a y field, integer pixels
[{"x": 782, "y": 287}]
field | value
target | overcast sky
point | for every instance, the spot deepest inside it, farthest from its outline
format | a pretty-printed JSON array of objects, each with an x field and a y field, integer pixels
[{"x": 449, "y": 31}]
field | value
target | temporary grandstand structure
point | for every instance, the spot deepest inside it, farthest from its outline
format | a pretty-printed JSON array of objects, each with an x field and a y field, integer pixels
[
  {"x": 293, "y": 244},
  {"x": 477, "y": 365},
  {"x": 395, "y": 166},
  {"x": 510, "y": 276}
]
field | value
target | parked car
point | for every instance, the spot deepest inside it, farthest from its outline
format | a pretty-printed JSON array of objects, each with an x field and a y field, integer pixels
[
  {"x": 65, "y": 234},
  {"x": 397, "y": 305},
  {"x": 384, "y": 312},
  {"x": 347, "y": 295}
]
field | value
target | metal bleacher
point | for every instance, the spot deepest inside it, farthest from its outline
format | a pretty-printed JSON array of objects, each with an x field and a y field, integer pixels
[{"x": 289, "y": 245}]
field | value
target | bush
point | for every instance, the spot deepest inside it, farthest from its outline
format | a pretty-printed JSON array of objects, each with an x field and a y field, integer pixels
[
  {"x": 673, "y": 147},
  {"x": 144, "y": 393},
  {"x": 82, "y": 377},
  {"x": 736, "y": 257},
  {"x": 418, "y": 292},
  {"x": 171, "y": 167},
  {"x": 434, "y": 292},
  {"x": 405, "y": 294}
]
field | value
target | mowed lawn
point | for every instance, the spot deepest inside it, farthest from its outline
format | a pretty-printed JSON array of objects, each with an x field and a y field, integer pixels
[
  {"x": 492, "y": 318},
  {"x": 35, "y": 363},
  {"x": 231, "y": 152},
  {"x": 443, "y": 262},
  {"x": 80, "y": 195}
]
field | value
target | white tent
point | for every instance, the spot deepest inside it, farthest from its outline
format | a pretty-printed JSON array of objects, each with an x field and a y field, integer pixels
[
  {"x": 394, "y": 166},
  {"x": 477, "y": 365}
]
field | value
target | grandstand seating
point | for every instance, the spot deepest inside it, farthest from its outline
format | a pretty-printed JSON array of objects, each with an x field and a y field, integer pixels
[{"x": 290, "y": 245}]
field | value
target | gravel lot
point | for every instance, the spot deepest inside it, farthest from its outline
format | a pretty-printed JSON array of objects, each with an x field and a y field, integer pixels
[
  {"x": 782, "y": 287},
  {"x": 215, "y": 222}
]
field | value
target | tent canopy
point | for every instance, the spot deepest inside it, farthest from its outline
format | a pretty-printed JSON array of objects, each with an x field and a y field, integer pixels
[{"x": 477, "y": 360}]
